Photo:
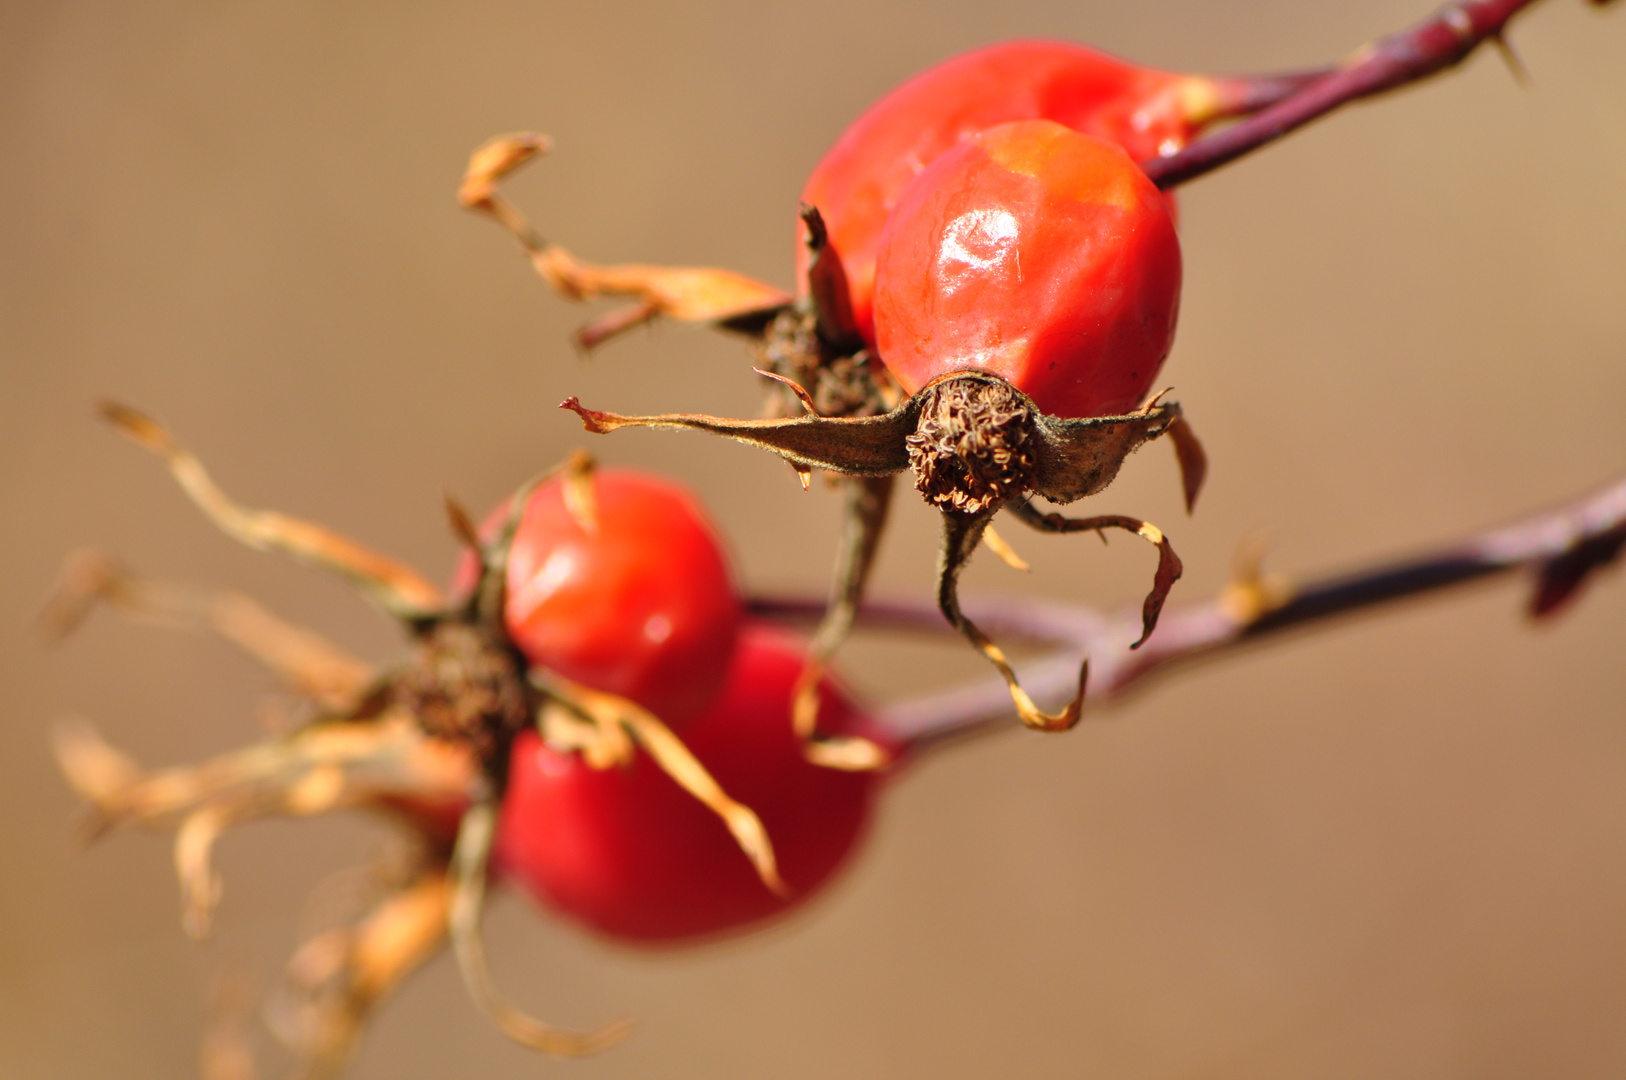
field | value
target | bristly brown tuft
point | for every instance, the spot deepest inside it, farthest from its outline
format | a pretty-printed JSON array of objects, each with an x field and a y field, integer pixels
[{"x": 973, "y": 448}]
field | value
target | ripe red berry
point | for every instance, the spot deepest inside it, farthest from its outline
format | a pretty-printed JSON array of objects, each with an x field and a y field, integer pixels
[
  {"x": 1037, "y": 254},
  {"x": 641, "y": 605},
  {"x": 628, "y": 853},
  {"x": 860, "y": 180}
]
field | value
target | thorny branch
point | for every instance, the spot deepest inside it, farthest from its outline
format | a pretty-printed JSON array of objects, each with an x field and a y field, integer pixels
[
  {"x": 1561, "y": 548},
  {"x": 1441, "y": 41}
]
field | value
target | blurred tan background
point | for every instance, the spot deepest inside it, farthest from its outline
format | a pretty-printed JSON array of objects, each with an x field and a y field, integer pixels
[{"x": 1394, "y": 848}]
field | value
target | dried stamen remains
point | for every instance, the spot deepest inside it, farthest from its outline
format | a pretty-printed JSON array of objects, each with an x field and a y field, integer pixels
[{"x": 973, "y": 446}]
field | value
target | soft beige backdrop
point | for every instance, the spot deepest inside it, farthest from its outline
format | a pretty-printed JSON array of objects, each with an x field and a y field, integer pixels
[{"x": 1395, "y": 848}]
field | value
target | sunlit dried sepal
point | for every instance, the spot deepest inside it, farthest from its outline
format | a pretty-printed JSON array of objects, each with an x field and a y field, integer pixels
[
  {"x": 619, "y": 720},
  {"x": 975, "y": 445},
  {"x": 468, "y": 875},
  {"x": 312, "y": 666},
  {"x": 338, "y": 977},
  {"x": 396, "y": 587},
  {"x": 686, "y": 293}
]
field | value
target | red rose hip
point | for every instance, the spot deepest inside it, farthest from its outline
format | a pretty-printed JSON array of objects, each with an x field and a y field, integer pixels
[
  {"x": 857, "y": 184},
  {"x": 634, "y": 598},
  {"x": 1037, "y": 254},
  {"x": 631, "y": 855}
]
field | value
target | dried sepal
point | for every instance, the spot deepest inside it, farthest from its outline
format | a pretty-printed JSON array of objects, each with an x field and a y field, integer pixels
[
  {"x": 318, "y": 790},
  {"x": 686, "y": 293},
  {"x": 962, "y": 532},
  {"x": 1168, "y": 570},
  {"x": 467, "y": 902},
  {"x": 580, "y": 502},
  {"x": 856, "y": 445},
  {"x": 491, "y": 163},
  {"x": 339, "y": 976},
  {"x": 312, "y": 666},
  {"x": 999, "y": 546},
  {"x": 612, "y": 714},
  {"x": 828, "y": 288},
  {"x": 226, "y": 1050},
  {"x": 486, "y": 601},
  {"x": 318, "y": 767},
  {"x": 393, "y": 585},
  {"x": 1076, "y": 457},
  {"x": 868, "y": 503}
]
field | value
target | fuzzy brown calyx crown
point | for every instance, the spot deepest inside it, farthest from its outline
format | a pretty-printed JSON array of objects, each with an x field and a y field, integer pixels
[
  {"x": 974, "y": 445},
  {"x": 466, "y": 685}
]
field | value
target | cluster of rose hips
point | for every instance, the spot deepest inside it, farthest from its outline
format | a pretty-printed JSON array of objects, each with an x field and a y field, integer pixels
[
  {"x": 988, "y": 286},
  {"x": 987, "y": 289}
]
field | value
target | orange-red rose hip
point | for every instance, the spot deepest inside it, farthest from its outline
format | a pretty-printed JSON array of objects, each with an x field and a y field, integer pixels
[
  {"x": 1038, "y": 254},
  {"x": 859, "y": 181}
]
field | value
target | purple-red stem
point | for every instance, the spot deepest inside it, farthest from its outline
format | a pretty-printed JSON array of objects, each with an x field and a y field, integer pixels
[
  {"x": 1438, "y": 42},
  {"x": 1562, "y": 547}
]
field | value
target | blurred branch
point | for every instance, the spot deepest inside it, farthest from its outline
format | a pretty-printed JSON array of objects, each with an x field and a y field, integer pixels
[
  {"x": 1441, "y": 41},
  {"x": 1562, "y": 547}
]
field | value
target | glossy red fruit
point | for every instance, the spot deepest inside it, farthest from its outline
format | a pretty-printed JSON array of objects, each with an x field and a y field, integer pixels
[
  {"x": 629, "y": 854},
  {"x": 643, "y": 607},
  {"x": 859, "y": 181},
  {"x": 1038, "y": 254}
]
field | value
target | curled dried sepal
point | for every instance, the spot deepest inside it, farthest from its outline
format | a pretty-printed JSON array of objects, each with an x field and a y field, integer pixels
[
  {"x": 868, "y": 503},
  {"x": 393, "y": 585},
  {"x": 1077, "y": 457},
  {"x": 486, "y": 600},
  {"x": 1193, "y": 459},
  {"x": 1168, "y": 570},
  {"x": 976, "y": 444},
  {"x": 311, "y": 665},
  {"x": 494, "y": 160},
  {"x": 320, "y": 789},
  {"x": 314, "y": 770},
  {"x": 962, "y": 532},
  {"x": 685, "y": 293},
  {"x": 612, "y": 715},
  {"x": 468, "y": 874},
  {"x": 338, "y": 977}
]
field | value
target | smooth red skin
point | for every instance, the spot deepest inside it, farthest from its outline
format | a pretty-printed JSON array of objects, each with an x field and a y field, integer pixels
[
  {"x": 1069, "y": 287},
  {"x": 629, "y": 854},
  {"x": 859, "y": 181},
  {"x": 592, "y": 607}
]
